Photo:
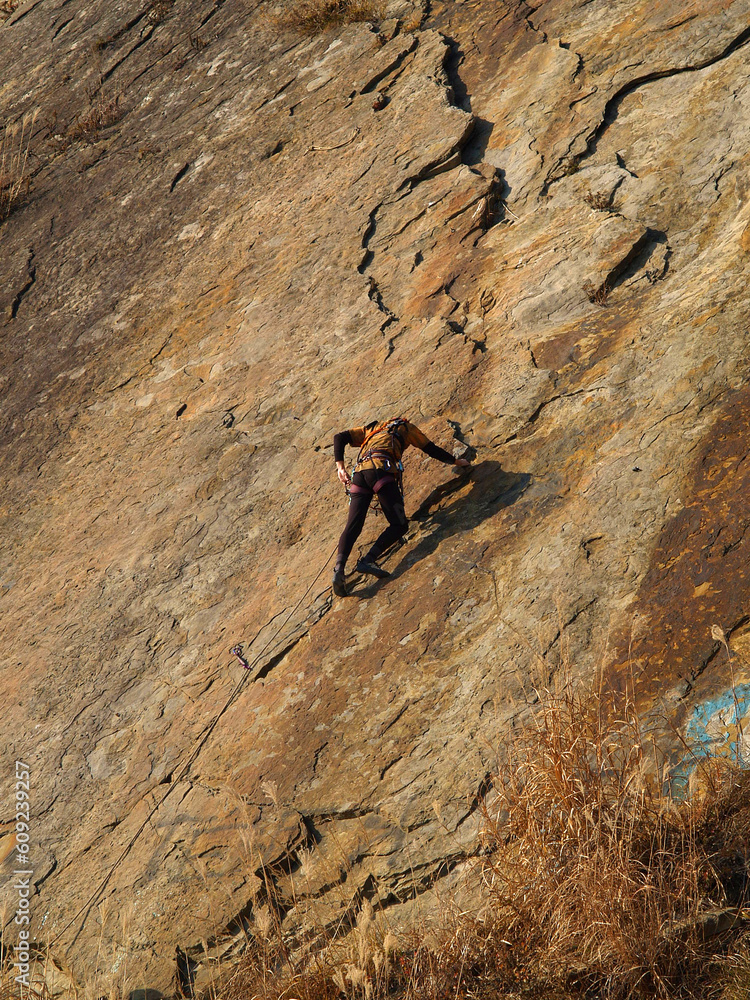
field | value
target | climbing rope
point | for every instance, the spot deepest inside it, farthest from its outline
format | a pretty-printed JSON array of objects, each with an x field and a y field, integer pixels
[{"x": 188, "y": 762}]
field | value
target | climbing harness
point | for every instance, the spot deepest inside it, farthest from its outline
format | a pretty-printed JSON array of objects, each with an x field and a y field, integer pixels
[
  {"x": 393, "y": 466},
  {"x": 390, "y": 427},
  {"x": 375, "y": 504}
]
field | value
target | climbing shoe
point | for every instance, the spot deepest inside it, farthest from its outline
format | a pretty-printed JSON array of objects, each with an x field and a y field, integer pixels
[
  {"x": 368, "y": 566},
  {"x": 339, "y": 583}
]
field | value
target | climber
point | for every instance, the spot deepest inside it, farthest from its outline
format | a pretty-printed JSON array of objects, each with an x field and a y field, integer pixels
[{"x": 377, "y": 472}]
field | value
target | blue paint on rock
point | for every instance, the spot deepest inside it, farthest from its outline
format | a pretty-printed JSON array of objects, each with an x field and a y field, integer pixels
[
  {"x": 714, "y": 725},
  {"x": 713, "y": 730}
]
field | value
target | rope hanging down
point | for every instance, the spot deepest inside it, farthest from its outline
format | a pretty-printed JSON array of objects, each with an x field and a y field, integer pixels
[{"x": 187, "y": 764}]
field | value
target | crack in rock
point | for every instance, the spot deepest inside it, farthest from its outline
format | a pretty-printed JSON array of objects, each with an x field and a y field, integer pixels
[
  {"x": 612, "y": 107},
  {"x": 635, "y": 260},
  {"x": 30, "y": 282}
]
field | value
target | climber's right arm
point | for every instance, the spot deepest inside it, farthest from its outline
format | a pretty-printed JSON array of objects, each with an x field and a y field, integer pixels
[{"x": 355, "y": 437}]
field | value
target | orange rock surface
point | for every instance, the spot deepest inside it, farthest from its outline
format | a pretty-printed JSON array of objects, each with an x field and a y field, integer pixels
[{"x": 526, "y": 228}]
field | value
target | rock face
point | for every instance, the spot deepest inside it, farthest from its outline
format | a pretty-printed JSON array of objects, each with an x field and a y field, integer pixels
[{"x": 526, "y": 228}]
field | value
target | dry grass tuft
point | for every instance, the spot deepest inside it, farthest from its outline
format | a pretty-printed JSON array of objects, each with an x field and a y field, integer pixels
[
  {"x": 598, "y": 295},
  {"x": 91, "y": 122},
  {"x": 598, "y": 201},
  {"x": 597, "y": 881},
  {"x": 14, "y": 154},
  {"x": 313, "y": 16},
  {"x": 599, "y": 878},
  {"x": 8, "y": 7}
]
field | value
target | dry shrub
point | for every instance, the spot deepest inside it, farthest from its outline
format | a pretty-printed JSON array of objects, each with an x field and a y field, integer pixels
[
  {"x": 599, "y": 881},
  {"x": 7, "y": 7},
  {"x": 313, "y": 16},
  {"x": 14, "y": 154},
  {"x": 100, "y": 115},
  {"x": 599, "y": 878},
  {"x": 597, "y": 295},
  {"x": 599, "y": 201}
]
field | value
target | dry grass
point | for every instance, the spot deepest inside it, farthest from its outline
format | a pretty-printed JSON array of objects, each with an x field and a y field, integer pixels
[
  {"x": 102, "y": 113},
  {"x": 598, "y": 201},
  {"x": 313, "y": 16},
  {"x": 370, "y": 965},
  {"x": 599, "y": 878},
  {"x": 598, "y": 295},
  {"x": 41, "y": 972},
  {"x": 14, "y": 154},
  {"x": 8, "y": 7},
  {"x": 597, "y": 882},
  {"x": 736, "y": 978}
]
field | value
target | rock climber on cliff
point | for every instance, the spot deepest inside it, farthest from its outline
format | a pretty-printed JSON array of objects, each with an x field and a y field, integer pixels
[{"x": 377, "y": 473}]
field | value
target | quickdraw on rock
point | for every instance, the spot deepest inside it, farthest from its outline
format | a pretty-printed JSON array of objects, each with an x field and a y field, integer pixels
[{"x": 237, "y": 651}]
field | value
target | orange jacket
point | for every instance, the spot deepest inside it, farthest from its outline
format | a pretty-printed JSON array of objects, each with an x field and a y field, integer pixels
[{"x": 381, "y": 448}]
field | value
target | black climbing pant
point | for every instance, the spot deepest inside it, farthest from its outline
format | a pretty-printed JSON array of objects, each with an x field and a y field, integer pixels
[{"x": 393, "y": 507}]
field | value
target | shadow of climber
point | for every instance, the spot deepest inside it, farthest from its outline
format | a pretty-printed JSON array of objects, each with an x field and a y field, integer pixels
[{"x": 486, "y": 490}]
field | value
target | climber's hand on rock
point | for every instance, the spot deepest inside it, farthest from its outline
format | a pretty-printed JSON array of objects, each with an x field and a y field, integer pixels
[{"x": 462, "y": 463}]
